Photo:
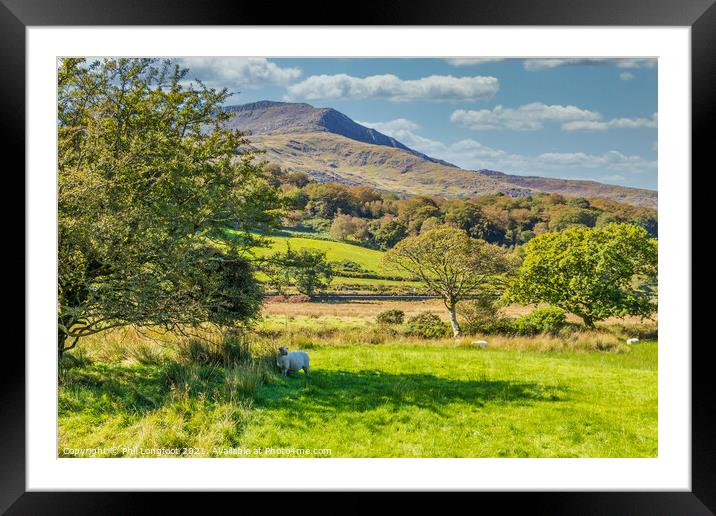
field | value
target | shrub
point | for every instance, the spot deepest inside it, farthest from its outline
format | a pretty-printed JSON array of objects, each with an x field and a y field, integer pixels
[
  {"x": 477, "y": 314},
  {"x": 483, "y": 316},
  {"x": 391, "y": 317},
  {"x": 427, "y": 325},
  {"x": 500, "y": 325},
  {"x": 348, "y": 266},
  {"x": 541, "y": 320},
  {"x": 227, "y": 351}
]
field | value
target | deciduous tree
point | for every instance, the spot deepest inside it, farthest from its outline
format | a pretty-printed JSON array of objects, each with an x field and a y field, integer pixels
[
  {"x": 451, "y": 264},
  {"x": 589, "y": 272},
  {"x": 148, "y": 176},
  {"x": 306, "y": 269}
]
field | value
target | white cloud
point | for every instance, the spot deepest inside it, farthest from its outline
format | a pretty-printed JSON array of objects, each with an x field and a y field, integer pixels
[
  {"x": 472, "y": 61},
  {"x": 529, "y": 117},
  {"x": 392, "y": 126},
  {"x": 464, "y": 153},
  {"x": 233, "y": 72},
  {"x": 617, "y": 123},
  {"x": 534, "y": 116},
  {"x": 404, "y": 131},
  {"x": 611, "y": 160},
  {"x": 534, "y": 65},
  {"x": 391, "y": 87},
  {"x": 471, "y": 154},
  {"x": 627, "y": 76}
]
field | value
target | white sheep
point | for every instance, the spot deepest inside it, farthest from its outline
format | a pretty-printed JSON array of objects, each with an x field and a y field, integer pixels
[
  {"x": 293, "y": 361},
  {"x": 632, "y": 341},
  {"x": 481, "y": 343}
]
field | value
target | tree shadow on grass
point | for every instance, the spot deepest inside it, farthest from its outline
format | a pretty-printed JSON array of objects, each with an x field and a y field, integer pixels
[
  {"x": 350, "y": 391},
  {"x": 137, "y": 390},
  {"x": 101, "y": 388}
]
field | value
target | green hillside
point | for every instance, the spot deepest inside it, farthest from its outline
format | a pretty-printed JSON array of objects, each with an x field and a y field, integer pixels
[{"x": 368, "y": 259}]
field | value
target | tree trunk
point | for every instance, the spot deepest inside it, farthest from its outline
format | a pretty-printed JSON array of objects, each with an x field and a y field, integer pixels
[
  {"x": 61, "y": 338},
  {"x": 457, "y": 332},
  {"x": 61, "y": 341},
  {"x": 588, "y": 322}
]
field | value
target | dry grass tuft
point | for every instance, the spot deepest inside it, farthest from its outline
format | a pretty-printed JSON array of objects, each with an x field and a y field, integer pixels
[{"x": 578, "y": 341}]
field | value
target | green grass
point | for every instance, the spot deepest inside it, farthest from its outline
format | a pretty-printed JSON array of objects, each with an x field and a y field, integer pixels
[
  {"x": 418, "y": 402},
  {"x": 368, "y": 259},
  {"x": 401, "y": 399},
  {"x": 340, "y": 283}
]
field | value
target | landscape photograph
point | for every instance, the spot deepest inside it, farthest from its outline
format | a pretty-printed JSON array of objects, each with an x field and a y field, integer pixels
[{"x": 265, "y": 257}]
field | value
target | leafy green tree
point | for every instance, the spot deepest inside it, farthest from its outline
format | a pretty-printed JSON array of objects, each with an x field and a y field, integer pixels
[
  {"x": 604, "y": 219},
  {"x": 362, "y": 232},
  {"x": 429, "y": 223},
  {"x": 525, "y": 236},
  {"x": 564, "y": 216},
  {"x": 523, "y": 217},
  {"x": 343, "y": 226},
  {"x": 274, "y": 175},
  {"x": 327, "y": 199},
  {"x": 364, "y": 196},
  {"x": 495, "y": 224},
  {"x": 148, "y": 175},
  {"x": 389, "y": 234},
  {"x": 413, "y": 211},
  {"x": 589, "y": 272},
  {"x": 295, "y": 198},
  {"x": 540, "y": 227},
  {"x": 298, "y": 179},
  {"x": 648, "y": 222},
  {"x": 222, "y": 284},
  {"x": 306, "y": 269},
  {"x": 451, "y": 264},
  {"x": 466, "y": 216},
  {"x": 579, "y": 202}
]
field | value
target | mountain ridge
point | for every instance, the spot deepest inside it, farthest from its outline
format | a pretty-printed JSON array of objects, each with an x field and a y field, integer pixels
[
  {"x": 272, "y": 117},
  {"x": 330, "y": 146}
]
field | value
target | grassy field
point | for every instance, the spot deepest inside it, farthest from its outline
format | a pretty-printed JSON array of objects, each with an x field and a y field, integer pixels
[
  {"x": 416, "y": 401},
  {"x": 368, "y": 259},
  {"x": 371, "y": 394},
  {"x": 368, "y": 309}
]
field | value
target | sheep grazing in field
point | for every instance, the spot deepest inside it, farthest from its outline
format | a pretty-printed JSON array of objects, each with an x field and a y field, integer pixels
[
  {"x": 632, "y": 341},
  {"x": 292, "y": 361},
  {"x": 481, "y": 343}
]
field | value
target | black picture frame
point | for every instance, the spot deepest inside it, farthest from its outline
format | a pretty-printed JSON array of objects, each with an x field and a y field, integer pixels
[{"x": 699, "y": 15}]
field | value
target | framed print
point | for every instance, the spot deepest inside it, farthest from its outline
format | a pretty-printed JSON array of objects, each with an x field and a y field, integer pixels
[{"x": 424, "y": 257}]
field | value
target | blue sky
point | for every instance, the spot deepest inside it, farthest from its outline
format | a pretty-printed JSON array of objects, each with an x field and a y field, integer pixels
[{"x": 566, "y": 118}]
